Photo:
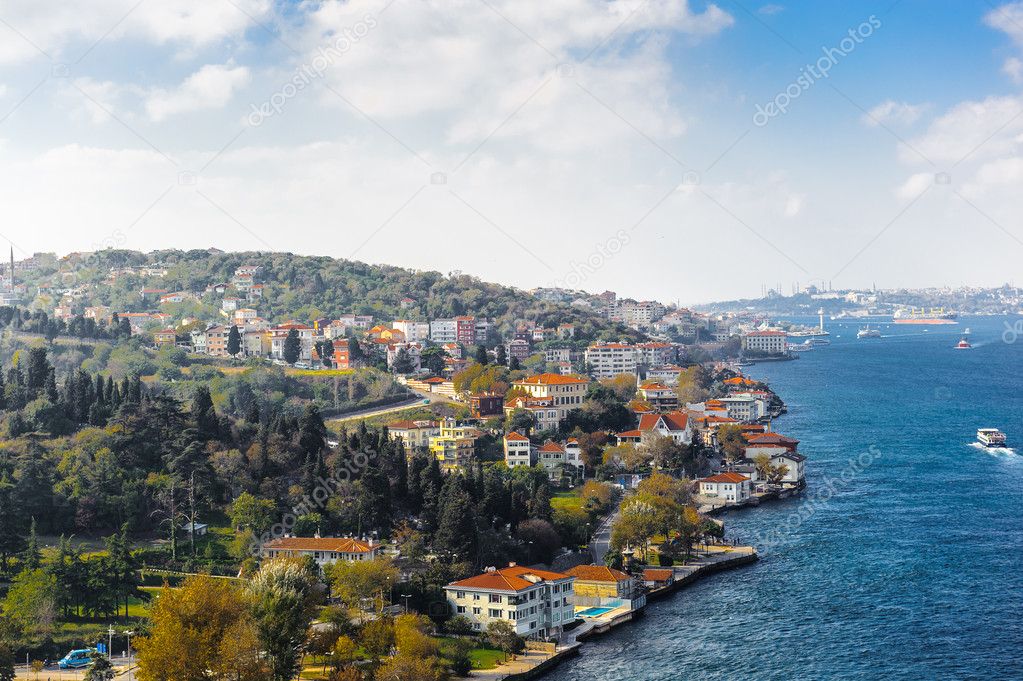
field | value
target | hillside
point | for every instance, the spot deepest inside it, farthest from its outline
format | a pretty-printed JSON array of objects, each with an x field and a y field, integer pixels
[{"x": 302, "y": 288}]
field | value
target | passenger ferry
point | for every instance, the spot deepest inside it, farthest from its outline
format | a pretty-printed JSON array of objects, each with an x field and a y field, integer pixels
[
  {"x": 867, "y": 332},
  {"x": 991, "y": 437}
]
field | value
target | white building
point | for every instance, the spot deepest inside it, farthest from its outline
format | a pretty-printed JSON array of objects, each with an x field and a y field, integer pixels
[
  {"x": 537, "y": 603},
  {"x": 770, "y": 342},
  {"x": 444, "y": 331},
  {"x": 518, "y": 450},
  {"x": 607, "y": 360},
  {"x": 323, "y": 550},
  {"x": 746, "y": 406},
  {"x": 567, "y": 391},
  {"x": 732, "y": 488},
  {"x": 414, "y": 331}
]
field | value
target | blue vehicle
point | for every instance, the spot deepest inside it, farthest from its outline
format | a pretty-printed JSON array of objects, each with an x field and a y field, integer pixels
[{"x": 76, "y": 659}]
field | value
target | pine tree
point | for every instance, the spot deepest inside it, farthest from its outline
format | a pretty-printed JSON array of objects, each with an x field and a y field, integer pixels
[
  {"x": 312, "y": 436},
  {"x": 481, "y": 355},
  {"x": 403, "y": 362},
  {"x": 456, "y": 529},
  {"x": 31, "y": 557},
  {"x": 292, "y": 347},
  {"x": 500, "y": 356},
  {"x": 234, "y": 341},
  {"x": 204, "y": 415}
]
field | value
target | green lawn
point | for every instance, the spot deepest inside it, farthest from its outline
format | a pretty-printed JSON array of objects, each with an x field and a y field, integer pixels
[
  {"x": 482, "y": 657},
  {"x": 570, "y": 500}
]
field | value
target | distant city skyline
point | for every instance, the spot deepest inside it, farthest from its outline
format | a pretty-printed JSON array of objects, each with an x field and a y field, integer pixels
[{"x": 662, "y": 149}]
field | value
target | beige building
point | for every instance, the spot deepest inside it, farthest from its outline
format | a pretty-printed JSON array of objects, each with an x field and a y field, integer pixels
[{"x": 567, "y": 391}]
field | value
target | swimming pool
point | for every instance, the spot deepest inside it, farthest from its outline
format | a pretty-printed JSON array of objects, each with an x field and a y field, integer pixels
[{"x": 593, "y": 612}]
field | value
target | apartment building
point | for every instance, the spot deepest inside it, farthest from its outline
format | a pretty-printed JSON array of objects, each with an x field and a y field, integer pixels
[{"x": 607, "y": 360}]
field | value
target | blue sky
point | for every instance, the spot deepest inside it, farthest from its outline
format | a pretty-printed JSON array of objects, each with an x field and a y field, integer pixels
[{"x": 586, "y": 143}]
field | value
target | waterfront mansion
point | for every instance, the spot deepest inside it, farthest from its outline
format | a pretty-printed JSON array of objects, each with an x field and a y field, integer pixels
[{"x": 538, "y": 603}]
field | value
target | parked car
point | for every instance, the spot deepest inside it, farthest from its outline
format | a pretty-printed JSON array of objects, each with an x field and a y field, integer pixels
[{"x": 76, "y": 659}]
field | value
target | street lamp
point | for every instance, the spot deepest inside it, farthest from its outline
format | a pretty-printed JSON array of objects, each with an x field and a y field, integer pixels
[
  {"x": 129, "y": 633},
  {"x": 406, "y": 597}
]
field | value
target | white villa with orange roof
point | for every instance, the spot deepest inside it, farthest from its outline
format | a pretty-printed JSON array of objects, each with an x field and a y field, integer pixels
[
  {"x": 518, "y": 450},
  {"x": 674, "y": 424},
  {"x": 323, "y": 550},
  {"x": 537, "y": 603},
  {"x": 732, "y": 488}
]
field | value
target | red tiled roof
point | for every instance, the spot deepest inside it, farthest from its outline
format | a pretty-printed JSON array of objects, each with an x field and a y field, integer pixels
[
  {"x": 772, "y": 438},
  {"x": 515, "y": 437},
  {"x": 551, "y": 447},
  {"x": 335, "y": 544},
  {"x": 552, "y": 379},
  {"x": 674, "y": 421},
  {"x": 655, "y": 575},
  {"x": 597, "y": 573},
  {"x": 511, "y": 578},
  {"x": 725, "y": 477}
]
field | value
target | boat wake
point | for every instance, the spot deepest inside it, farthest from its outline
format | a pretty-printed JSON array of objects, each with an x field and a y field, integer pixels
[{"x": 999, "y": 451}]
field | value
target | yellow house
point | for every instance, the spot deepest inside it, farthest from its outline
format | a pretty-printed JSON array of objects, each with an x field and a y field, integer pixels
[
  {"x": 455, "y": 445},
  {"x": 598, "y": 581}
]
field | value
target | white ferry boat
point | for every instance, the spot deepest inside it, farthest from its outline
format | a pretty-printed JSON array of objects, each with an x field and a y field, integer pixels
[
  {"x": 867, "y": 332},
  {"x": 991, "y": 437}
]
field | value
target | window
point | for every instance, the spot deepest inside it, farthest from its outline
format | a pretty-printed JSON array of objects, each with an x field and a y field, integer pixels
[
  {"x": 460, "y": 594},
  {"x": 495, "y": 612},
  {"x": 477, "y": 611},
  {"x": 495, "y": 598},
  {"x": 461, "y": 609},
  {"x": 475, "y": 597}
]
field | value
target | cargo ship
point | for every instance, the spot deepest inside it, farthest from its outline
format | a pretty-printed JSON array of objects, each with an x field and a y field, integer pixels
[{"x": 936, "y": 315}]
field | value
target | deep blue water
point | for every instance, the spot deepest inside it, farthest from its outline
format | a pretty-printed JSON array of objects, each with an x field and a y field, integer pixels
[{"x": 912, "y": 569}]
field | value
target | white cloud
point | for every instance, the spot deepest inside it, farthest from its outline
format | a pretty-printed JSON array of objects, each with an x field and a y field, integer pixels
[
  {"x": 469, "y": 69},
  {"x": 98, "y": 99},
  {"x": 65, "y": 30},
  {"x": 1013, "y": 68},
  {"x": 771, "y": 9},
  {"x": 891, "y": 112},
  {"x": 1007, "y": 18},
  {"x": 793, "y": 205},
  {"x": 211, "y": 87},
  {"x": 971, "y": 129},
  {"x": 915, "y": 185}
]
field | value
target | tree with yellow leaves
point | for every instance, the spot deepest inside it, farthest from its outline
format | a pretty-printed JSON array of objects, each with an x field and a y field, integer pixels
[{"x": 202, "y": 628}]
